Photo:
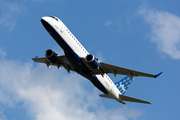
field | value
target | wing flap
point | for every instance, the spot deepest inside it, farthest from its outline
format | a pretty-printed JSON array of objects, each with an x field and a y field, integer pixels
[{"x": 131, "y": 99}]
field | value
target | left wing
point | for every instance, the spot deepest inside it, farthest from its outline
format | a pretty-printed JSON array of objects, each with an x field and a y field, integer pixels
[
  {"x": 107, "y": 68},
  {"x": 62, "y": 61}
]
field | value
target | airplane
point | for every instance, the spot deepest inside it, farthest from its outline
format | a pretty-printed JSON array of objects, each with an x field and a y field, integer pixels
[{"x": 79, "y": 60}]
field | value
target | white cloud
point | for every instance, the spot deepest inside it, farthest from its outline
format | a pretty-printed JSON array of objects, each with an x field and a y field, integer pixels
[
  {"x": 165, "y": 30},
  {"x": 2, "y": 117},
  {"x": 50, "y": 94},
  {"x": 9, "y": 12},
  {"x": 100, "y": 56},
  {"x": 108, "y": 23},
  {"x": 2, "y": 53}
]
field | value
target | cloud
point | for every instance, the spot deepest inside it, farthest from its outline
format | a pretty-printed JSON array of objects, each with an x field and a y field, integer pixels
[
  {"x": 108, "y": 23},
  {"x": 9, "y": 12},
  {"x": 50, "y": 94},
  {"x": 2, "y": 53},
  {"x": 165, "y": 30},
  {"x": 2, "y": 117},
  {"x": 100, "y": 56}
]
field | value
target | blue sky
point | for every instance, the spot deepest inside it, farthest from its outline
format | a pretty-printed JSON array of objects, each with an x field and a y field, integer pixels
[{"x": 142, "y": 35}]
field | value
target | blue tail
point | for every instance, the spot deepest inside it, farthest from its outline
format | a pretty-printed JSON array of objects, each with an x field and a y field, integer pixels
[{"x": 123, "y": 84}]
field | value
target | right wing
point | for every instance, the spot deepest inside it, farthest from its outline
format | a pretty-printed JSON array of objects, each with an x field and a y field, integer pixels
[
  {"x": 62, "y": 61},
  {"x": 124, "y": 71},
  {"x": 108, "y": 68}
]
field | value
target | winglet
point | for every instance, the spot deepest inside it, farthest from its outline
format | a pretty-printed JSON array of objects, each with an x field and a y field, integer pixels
[
  {"x": 36, "y": 56},
  {"x": 155, "y": 76}
]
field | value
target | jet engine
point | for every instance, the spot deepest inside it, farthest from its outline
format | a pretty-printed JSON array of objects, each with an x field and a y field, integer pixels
[
  {"x": 51, "y": 56},
  {"x": 92, "y": 61}
]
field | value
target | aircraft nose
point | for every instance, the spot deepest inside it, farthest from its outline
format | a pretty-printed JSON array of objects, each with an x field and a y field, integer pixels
[{"x": 45, "y": 20}]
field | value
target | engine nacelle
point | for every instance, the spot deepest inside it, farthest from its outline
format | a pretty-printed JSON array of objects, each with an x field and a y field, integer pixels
[
  {"x": 92, "y": 61},
  {"x": 51, "y": 56}
]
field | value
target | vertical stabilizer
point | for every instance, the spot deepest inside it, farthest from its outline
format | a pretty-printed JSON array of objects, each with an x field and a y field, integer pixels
[{"x": 123, "y": 84}]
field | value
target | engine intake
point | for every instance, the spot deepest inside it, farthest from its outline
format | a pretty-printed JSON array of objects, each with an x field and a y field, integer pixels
[
  {"x": 51, "y": 56},
  {"x": 92, "y": 61}
]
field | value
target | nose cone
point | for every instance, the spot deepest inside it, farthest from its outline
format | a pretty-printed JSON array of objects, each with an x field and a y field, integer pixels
[
  {"x": 45, "y": 20},
  {"x": 46, "y": 23}
]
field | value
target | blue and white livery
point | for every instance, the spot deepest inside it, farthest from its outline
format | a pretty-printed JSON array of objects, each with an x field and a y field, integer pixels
[{"x": 79, "y": 60}]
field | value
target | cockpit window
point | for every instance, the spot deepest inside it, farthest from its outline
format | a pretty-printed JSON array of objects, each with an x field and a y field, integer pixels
[{"x": 54, "y": 18}]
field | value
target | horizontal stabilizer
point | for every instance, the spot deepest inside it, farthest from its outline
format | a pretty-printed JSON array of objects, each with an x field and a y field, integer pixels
[
  {"x": 105, "y": 96},
  {"x": 131, "y": 99}
]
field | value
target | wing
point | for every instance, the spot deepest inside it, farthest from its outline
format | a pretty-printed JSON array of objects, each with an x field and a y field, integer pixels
[
  {"x": 124, "y": 71},
  {"x": 62, "y": 62},
  {"x": 107, "y": 68}
]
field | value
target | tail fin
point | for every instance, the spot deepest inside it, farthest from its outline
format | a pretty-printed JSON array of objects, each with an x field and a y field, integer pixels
[{"x": 123, "y": 84}]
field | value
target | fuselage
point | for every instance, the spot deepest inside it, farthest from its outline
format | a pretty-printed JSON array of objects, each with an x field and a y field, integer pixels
[{"x": 74, "y": 51}]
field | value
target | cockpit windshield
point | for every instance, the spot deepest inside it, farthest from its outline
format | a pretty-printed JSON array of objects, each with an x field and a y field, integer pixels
[{"x": 54, "y": 18}]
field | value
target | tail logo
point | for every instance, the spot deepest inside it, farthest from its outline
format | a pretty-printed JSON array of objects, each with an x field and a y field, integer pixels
[{"x": 123, "y": 84}]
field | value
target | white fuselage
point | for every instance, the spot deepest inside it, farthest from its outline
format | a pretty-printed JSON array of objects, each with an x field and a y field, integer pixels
[{"x": 70, "y": 44}]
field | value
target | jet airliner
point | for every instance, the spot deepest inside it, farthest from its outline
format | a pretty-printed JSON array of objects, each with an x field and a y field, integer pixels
[{"x": 79, "y": 60}]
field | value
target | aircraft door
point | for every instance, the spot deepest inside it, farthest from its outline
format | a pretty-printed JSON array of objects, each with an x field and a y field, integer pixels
[{"x": 62, "y": 28}]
